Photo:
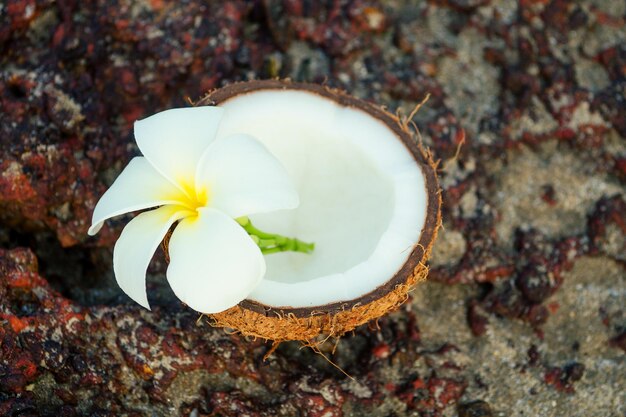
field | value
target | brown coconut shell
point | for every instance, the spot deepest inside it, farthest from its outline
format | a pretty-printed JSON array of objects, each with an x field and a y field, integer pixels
[{"x": 251, "y": 318}]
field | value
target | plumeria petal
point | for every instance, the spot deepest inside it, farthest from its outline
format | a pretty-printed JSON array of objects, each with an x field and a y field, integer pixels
[
  {"x": 214, "y": 264},
  {"x": 239, "y": 176},
  {"x": 136, "y": 245},
  {"x": 138, "y": 187},
  {"x": 174, "y": 140}
]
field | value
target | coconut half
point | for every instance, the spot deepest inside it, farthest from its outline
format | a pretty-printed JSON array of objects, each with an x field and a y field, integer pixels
[{"x": 369, "y": 200}]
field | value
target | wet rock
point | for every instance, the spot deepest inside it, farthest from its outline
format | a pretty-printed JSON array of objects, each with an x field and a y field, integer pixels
[
  {"x": 477, "y": 318},
  {"x": 534, "y": 282},
  {"x": 607, "y": 227},
  {"x": 563, "y": 378},
  {"x": 475, "y": 409},
  {"x": 619, "y": 341}
]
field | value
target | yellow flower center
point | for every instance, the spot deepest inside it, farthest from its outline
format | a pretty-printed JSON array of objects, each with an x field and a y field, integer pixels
[{"x": 196, "y": 197}]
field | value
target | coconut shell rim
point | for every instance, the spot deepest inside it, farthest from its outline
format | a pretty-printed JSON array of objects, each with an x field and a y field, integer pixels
[{"x": 421, "y": 156}]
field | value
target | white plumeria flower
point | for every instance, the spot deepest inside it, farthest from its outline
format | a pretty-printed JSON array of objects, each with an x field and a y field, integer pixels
[{"x": 204, "y": 184}]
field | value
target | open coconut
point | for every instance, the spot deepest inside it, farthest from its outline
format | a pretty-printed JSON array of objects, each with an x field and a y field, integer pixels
[{"x": 369, "y": 199}]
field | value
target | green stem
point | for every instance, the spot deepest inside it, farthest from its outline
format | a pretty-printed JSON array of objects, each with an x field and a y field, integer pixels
[
  {"x": 274, "y": 243},
  {"x": 269, "y": 251}
]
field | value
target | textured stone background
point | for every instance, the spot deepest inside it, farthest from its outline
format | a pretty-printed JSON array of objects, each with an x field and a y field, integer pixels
[{"x": 524, "y": 313}]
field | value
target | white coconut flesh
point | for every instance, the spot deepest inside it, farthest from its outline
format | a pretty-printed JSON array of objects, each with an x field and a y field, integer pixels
[{"x": 363, "y": 197}]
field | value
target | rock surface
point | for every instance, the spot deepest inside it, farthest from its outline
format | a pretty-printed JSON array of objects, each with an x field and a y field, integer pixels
[{"x": 524, "y": 312}]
